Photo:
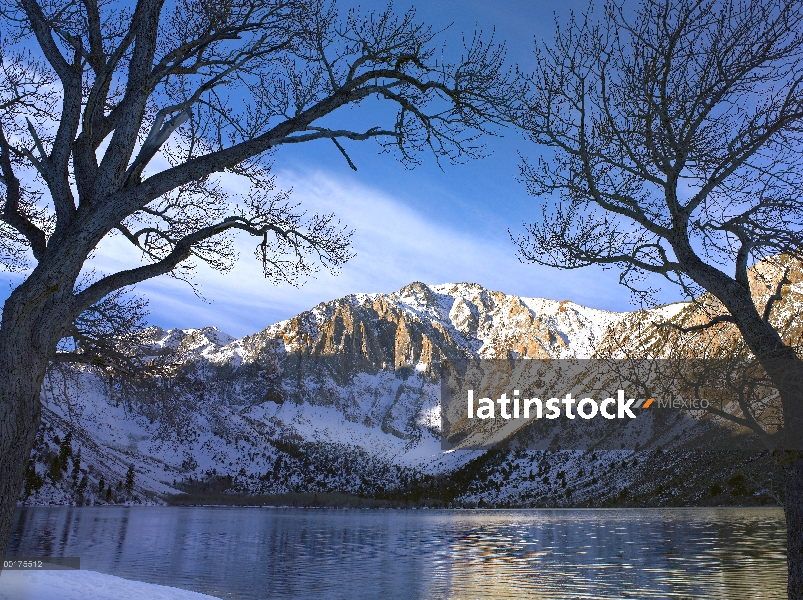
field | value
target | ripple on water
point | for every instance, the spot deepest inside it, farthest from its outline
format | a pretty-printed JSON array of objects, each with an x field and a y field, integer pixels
[{"x": 250, "y": 553}]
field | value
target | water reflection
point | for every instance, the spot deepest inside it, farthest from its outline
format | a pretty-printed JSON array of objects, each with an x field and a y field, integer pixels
[{"x": 252, "y": 553}]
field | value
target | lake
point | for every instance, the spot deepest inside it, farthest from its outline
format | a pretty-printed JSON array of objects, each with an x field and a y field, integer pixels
[{"x": 257, "y": 553}]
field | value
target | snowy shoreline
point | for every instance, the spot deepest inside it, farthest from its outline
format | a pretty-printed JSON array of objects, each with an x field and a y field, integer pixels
[{"x": 80, "y": 585}]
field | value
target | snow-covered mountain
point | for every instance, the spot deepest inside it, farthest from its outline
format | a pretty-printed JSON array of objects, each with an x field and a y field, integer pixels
[{"x": 343, "y": 397}]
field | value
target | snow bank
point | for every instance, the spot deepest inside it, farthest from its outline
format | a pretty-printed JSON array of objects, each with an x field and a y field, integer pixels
[{"x": 83, "y": 585}]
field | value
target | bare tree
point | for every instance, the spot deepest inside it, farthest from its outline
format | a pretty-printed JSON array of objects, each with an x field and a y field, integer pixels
[
  {"x": 674, "y": 134},
  {"x": 93, "y": 91}
]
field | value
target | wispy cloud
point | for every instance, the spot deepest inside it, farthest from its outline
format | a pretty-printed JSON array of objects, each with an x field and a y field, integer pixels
[{"x": 395, "y": 246}]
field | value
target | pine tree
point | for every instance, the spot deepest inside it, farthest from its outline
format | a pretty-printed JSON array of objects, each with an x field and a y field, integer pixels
[
  {"x": 76, "y": 467},
  {"x": 55, "y": 470},
  {"x": 65, "y": 450},
  {"x": 33, "y": 481},
  {"x": 129, "y": 479}
]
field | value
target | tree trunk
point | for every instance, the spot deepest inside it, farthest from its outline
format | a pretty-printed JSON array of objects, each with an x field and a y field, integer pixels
[
  {"x": 793, "y": 509},
  {"x": 20, "y": 412},
  {"x": 787, "y": 377},
  {"x": 34, "y": 317}
]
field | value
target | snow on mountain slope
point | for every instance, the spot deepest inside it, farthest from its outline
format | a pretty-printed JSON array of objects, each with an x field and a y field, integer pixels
[
  {"x": 345, "y": 397},
  {"x": 341, "y": 397},
  {"x": 482, "y": 319},
  {"x": 354, "y": 377}
]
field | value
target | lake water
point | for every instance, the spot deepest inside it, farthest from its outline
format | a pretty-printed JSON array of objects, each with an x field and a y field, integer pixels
[{"x": 251, "y": 553}]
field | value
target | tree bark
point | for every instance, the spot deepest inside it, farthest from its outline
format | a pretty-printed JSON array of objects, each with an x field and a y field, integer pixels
[
  {"x": 20, "y": 413},
  {"x": 793, "y": 510},
  {"x": 33, "y": 318}
]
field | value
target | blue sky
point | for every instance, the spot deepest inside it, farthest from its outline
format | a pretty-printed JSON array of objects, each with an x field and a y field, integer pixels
[{"x": 423, "y": 224}]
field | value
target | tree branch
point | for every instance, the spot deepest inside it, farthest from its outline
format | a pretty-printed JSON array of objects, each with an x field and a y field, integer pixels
[
  {"x": 11, "y": 207},
  {"x": 711, "y": 323},
  {"x": 181, "y": 251},
  {"x": 42, "y": 31},
  {"x": 748, "y": 423},
  {"x": 323, "y": 240},
  {"x": 776, "y": 296},
  {"x": 145, "y": 24},
  {"x": 343, "y": 152}
]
